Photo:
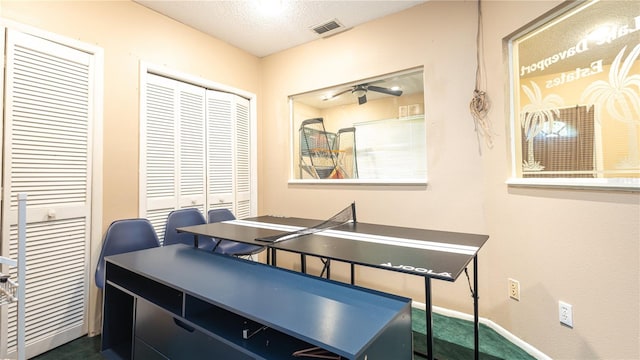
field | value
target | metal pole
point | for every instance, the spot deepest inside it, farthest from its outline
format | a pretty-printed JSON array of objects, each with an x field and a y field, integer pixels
[
  {"x": 429, "y": 317},
  {"x": 476, "y": 326},
  {"x": 353, "y": 275},
  {"x": 22, "y": 235}
]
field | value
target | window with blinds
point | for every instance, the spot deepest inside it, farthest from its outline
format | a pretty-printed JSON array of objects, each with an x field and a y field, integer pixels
[
  {"x": 391, "y": 149},
  {"x": 563, "y": 147},
  {"x": 553, "y": 142}
]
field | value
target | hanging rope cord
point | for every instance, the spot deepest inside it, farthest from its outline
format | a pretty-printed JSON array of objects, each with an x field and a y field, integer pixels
[{"x": 480, "y": 105}]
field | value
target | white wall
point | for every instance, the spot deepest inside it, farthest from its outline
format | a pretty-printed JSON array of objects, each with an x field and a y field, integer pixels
[
  {"x": 531, "y": 229},
  {"x": 579, "y": 246},
  {"x": 129, "y": 34}
]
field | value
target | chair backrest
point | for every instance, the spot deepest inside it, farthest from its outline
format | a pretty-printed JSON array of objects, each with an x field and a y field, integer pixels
[
  {"x": 180, "y": 218},
  {"x": 217, "y": 215},
  {"x": 231, "y": 247},
  {"x": 124, "y": 236}
]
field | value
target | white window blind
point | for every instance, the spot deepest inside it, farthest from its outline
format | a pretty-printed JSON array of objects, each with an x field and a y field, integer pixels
[{"x": 391, "y": 149}]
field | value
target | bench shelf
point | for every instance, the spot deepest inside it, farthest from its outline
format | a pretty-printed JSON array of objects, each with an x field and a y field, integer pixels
[{"x": 179, "y": 302}]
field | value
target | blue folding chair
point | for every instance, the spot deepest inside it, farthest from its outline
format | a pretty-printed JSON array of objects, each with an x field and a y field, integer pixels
[
  {"x": 228, "y": 247},
  {"x": 125, "y": 236},
  {"x": 181, "y": 218}
]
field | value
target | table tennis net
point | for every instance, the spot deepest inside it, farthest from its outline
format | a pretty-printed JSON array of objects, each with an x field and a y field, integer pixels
[{"x": 346, "y": 215}]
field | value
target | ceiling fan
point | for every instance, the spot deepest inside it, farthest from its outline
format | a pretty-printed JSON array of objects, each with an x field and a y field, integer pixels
[{"x": 360, "y": 91}]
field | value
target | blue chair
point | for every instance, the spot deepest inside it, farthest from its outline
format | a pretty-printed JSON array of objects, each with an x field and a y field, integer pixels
[
  {"x": 181, "y": 218},
  {"x": 228, "y": 247},
  {"x": 125, "y": 236}
]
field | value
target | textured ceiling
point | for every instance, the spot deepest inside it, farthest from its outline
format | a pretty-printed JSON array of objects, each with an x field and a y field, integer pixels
[{"x": 246, "y": 25}]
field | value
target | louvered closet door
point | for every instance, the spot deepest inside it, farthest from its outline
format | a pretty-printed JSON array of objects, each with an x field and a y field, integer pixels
[
  {"x": 220, "y": 149},
  {"x": 173, "y": 149},
  {"x": 158, "y": 150},
  {"x": 243, "y": 158},
  {"x": 229, "y": 153},
  {"x": 47, "y": 156},
  {"x": 192, "y": 147}
]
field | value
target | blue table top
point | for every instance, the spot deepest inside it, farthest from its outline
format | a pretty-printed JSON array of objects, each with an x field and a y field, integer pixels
[{"x": 335, "y": 316}]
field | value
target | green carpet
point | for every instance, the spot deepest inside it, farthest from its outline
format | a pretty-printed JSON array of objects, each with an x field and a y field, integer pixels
[
  {"x": 453, "y": 340},
  {"x": 84, "y": 348}
]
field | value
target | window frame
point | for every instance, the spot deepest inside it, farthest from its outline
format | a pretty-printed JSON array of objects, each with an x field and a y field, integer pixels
[
  {"x": 404, "y": 111},
  {"x": 516, "y": 178}
]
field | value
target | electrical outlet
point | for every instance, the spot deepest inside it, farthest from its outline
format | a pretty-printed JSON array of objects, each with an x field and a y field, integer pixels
[
  {"x": 566, "y": 313},
  {"x": 514, "y": 289}
]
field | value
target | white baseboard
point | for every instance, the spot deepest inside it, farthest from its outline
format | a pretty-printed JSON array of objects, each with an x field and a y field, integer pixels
[{"x": 495, "y": 327}]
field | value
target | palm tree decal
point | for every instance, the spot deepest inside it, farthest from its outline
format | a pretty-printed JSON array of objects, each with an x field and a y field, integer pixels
[
  {"x": 621, "y": 97},
  {"x": 534, "y": 116}
]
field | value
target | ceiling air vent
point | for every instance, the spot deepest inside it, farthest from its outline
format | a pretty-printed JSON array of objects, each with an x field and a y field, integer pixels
[{"x": 328, "y": 28}]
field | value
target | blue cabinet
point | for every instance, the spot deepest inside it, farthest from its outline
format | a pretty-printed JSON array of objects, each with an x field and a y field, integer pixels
[{"x": 178, "y": 302}]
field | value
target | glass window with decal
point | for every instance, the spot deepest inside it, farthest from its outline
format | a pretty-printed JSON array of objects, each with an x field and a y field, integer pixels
[{"x": 575, "y": 97}]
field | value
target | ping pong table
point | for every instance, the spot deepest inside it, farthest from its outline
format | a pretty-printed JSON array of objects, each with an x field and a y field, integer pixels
[{"x": 432, "y": 254}]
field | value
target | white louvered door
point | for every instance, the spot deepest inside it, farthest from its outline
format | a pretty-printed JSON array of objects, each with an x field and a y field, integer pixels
[
  {"x": 242, "y": 158},
  {"x": 196, "y": 150},
  {"x": 191, "y": 135},
  {"x": 158, "y": 151},
  {"x": 173, "y": 149},
  {"x": 47, "y": 152},
  {"x": 220, "y": 150},
  {"x": 229, "y": 153}
]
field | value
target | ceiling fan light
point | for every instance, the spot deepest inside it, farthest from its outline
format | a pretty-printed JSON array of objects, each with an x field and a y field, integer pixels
[{"x": 359, "y": 92}]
